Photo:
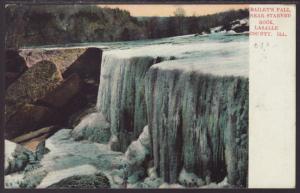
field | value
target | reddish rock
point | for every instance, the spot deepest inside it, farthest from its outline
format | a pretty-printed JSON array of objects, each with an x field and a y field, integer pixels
[
  {"x": 28, "y": 118},
  {"x": 61, "y": 95},
  {"x": 87, "y": 66},
  {"x": 83, "y": 61},
  {"x": 15, "y": 65},
  {"x": 39, "y": 134},
  {"x": 63, "y": 58},
  {"x": 10, "y": 77},
  {"x": 14, "y": 62},
  {"x": 32, "y": 85}
]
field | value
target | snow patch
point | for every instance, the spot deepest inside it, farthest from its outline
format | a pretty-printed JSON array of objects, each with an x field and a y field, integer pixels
[
  {"x": 92, "y": 127},
  {"x": 139, "y": 149}
]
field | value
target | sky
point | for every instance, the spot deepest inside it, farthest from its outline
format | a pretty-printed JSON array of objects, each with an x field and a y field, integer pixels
[{"x": 168, "y": 10}]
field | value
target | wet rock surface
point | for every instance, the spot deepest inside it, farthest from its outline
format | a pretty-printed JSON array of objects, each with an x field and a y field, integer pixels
[
  {"x": 82, "y": 182},
  {"x": 34, "y": 84},
  {"x": 63, "y": 93},
  {"x": 28, "y": 118},
  {"x": 58, "y": 84},
  {"x": 15, "y": 65}
]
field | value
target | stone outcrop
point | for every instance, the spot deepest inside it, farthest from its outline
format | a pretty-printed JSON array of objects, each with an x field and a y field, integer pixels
[
  {"x": 29, "y": 118},
  {"x": 63, "y": 93},
  {"x": 15, "y": 65},
  {"x": 57, "y": 84},
  {"x": 63, "y": 58},
  {"x": 85, "y": 62},
  {"x": 34, "y": 84},
  {"x": 82, "y": 182},
  {"x": 35, "y": 140}
]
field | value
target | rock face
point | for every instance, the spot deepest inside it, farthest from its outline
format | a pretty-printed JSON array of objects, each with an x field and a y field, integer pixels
[
  {"x": 28, "y": 118},
  {"x": 82, "y": 182},
  {"x": 34, "y": 84},
  {"x": 58, "y": 84},
  {"x": 121, "y": 96},
  {"x": 14, "y": 62},
  {"x": 85, "y": 62},
  {"x": 87, "y": 65},
  {"x": 198, "y": 122},
  {"x": 63, "y": 93},
  {"x": 15, "y": 65},
  {"x": 63, "y": 58}
]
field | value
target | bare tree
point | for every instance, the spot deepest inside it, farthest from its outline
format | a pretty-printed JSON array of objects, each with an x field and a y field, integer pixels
[{"x": 179, "y": 14}]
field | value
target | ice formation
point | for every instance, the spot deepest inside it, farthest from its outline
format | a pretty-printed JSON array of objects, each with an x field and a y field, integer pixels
[{"x": 191, "y": 91}]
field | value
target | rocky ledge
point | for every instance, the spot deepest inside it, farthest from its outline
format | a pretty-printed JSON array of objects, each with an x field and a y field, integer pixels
[{"x": 51, "y": 85}]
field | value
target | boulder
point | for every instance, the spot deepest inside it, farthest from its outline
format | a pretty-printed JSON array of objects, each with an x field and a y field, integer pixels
[
  {"x": 10, "y": 77},
  {"x": 35, "y": 140},
  {"x": 62, "y": 57},
  {"x": 87, "y": 66},
  {"x": 62, "y": 94},
  {"x": 15, "y": 65},
  {"x": 83, "y": 182},
  {"x": 14, "y": 62},
  {"x": 35, "y": 134},
  {"x": 28, "y": 118},
  {"x": 34, "y": 84},
  {"x": 83, "y": 61}
]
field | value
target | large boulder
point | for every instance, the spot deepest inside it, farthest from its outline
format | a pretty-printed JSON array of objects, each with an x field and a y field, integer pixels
[
  {"x": 15, "y": 65},
  {"x": 28, "y": 118},
  {"x": 83, "y": 182},
  {"x": 87, "y": 65},
  {"x": 14, "y": 62},
  {"x": 62, "y": 94},
  {"x": 35, "y": 140},
  {"x": 34, "y": 84},
  {"x": 62, "y": 57},
  {"x": 83, "y": 61}
]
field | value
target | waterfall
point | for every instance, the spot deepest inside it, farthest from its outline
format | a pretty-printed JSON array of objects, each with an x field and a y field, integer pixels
[
  {"x": 194, "y": 103},
  {"x": 121, "y": 96}
]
